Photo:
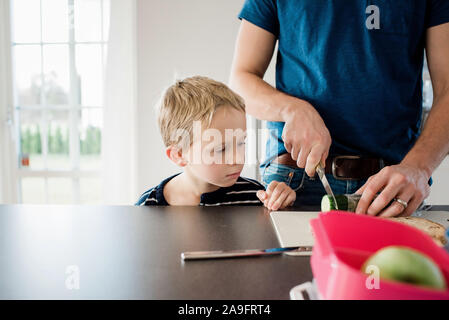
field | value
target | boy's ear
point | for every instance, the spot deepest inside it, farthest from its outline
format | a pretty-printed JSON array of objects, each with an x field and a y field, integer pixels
[{"x": 175, "y": 154}]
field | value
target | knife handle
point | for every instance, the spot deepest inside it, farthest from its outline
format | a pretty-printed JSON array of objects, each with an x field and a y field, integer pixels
[{"x": 196, "y": 255}]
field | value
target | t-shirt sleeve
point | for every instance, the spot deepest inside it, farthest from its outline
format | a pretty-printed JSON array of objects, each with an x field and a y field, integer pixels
[
  {"x": 262, "y": 13},
  {"x": 144, "y": 197},
  {"x": 437, "y": 12}
]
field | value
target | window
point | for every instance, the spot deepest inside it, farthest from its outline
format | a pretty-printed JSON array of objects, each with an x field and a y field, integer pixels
[{"x": 58, "y": 54}]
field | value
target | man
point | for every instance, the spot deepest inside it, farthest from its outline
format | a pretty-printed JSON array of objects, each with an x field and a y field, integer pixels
[{"x": 348, "y": 83}]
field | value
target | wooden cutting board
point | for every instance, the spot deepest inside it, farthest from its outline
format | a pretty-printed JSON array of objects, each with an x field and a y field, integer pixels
[{"x": 441, "y": 217}]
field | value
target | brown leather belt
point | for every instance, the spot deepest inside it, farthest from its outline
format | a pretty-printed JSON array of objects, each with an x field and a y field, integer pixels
[{"x": 343, "y": 167}]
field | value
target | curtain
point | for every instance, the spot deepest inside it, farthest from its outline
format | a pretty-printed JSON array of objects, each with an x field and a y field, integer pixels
[{"x": 119, "y": 139}]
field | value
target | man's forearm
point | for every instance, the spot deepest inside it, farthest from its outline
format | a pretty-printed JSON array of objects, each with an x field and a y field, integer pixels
[
  {"x": 433, "y": 144},
  {"x": 262, "y": 100}
]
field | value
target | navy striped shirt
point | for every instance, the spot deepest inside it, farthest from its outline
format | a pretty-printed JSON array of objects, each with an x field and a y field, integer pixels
[{"x": 242, "y": 192}]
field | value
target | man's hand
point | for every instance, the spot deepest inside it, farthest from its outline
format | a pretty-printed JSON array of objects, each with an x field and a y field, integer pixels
[
  {"x": 305, "y": 136},
  {"x": 404, "y": 182},
  {"x": 277, "y": 196}
]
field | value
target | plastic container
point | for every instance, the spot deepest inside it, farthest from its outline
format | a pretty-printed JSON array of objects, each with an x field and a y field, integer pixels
[{"x": 344, "y": 241}]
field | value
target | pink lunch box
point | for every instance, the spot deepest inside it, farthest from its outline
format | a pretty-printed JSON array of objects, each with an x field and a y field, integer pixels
[{"x": 344, "y": 241}]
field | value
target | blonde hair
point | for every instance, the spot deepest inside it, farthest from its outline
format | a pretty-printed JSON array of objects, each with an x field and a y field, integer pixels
[{"x": 192, "y": 99}]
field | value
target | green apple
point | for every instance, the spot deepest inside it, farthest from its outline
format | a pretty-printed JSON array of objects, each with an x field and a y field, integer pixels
[{"x": 406, "y": 265}]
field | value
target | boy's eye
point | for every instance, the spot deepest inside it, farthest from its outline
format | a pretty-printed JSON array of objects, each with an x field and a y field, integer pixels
[{"x": 222, "y": 149}]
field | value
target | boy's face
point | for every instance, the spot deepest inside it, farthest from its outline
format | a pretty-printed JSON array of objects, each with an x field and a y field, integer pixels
[{"x": 219, "y": 155}]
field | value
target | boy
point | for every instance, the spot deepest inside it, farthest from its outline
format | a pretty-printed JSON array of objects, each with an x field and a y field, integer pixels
[{"x": 203, "y": 126}]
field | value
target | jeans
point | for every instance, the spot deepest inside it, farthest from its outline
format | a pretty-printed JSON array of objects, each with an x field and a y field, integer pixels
[{"x": 309, "y": 191}]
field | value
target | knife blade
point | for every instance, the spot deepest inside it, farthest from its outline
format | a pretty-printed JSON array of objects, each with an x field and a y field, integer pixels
[
  {"x": 326, "y": 185},
  {"x": 196, "y": 255}
]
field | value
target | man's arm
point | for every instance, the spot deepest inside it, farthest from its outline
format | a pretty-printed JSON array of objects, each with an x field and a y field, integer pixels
[
  {"x": 305, "y": 134},
  {"x": 253, "y": 52},
  {"x": 433, "y": 144},
  {"x": 408, "y": 181}
]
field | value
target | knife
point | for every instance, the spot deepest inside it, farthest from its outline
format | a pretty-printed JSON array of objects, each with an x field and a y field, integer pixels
[
  {"x": 196, "y": 255},
  {"x": 326, "y": 185}
]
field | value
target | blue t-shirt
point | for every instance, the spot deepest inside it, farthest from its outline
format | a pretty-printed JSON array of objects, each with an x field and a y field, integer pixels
[{"x": 358, "y": 62}]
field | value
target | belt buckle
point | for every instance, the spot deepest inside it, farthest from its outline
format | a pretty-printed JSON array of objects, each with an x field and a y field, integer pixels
[{"x": 334, "y": 167}]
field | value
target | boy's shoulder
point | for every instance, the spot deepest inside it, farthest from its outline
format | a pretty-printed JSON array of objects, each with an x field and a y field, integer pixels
[
  {"x": 148, "y": 198},
  {"x": 243, "y": 191},
  {"x": 155, "y": 195}
]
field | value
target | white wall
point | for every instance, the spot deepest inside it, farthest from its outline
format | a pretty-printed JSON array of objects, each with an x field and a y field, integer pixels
[
  {"x": 439, "y": 192},
  {"x": 178, "y": 38}
]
